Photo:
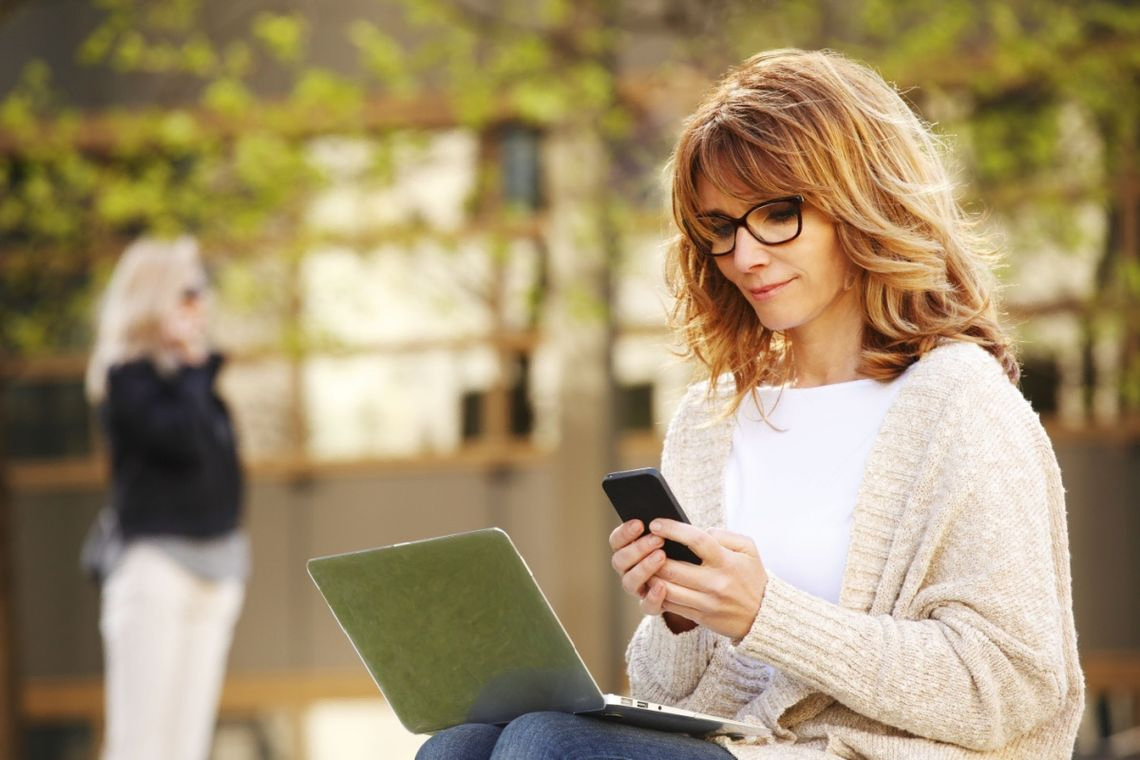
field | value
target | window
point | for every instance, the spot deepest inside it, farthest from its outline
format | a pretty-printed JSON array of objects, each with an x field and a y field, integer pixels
[
  {"x": 46, "y": 419},
  {"x": 520, "y": 421},
  {"x": 520, "y": 167},
  {"x": 635, "y": 407},
  {"x": 1040, "y": 382}
]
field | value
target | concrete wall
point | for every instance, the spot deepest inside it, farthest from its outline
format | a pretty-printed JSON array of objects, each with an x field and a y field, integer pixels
[{"x": 1102, "y": 482}]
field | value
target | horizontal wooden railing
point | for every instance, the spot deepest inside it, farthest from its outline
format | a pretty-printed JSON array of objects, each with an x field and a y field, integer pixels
[
  {"x": 46, "y": 700},
  {"x": 56, "y": 700}
]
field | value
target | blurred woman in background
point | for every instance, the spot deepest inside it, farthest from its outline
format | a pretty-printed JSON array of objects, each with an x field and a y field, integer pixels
[{"x": 173, "y": 572}]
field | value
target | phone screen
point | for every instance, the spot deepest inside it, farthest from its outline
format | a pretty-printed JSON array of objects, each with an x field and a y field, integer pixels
[{"x": 643, "y": 494}]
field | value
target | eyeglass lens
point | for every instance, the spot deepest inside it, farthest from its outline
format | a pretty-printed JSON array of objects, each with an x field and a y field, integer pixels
[{"x": 772, "y": 223}]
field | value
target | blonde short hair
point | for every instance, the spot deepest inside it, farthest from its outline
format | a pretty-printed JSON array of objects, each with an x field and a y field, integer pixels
[
  {"x": 817, "y": 124},
  {"x": 145, "y": 287}
]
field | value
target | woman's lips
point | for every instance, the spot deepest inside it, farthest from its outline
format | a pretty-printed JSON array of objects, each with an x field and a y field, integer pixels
[{"x": 767, "y": 291}]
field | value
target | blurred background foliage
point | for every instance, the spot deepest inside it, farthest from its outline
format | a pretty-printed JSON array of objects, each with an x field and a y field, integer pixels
[{"x": 1040, "y": 97}]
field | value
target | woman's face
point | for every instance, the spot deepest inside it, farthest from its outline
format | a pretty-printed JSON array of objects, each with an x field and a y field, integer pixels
[
  {"x": 193, "y": 298},
  {"x": 186, "y": 325},
  {"x": 795, "y": 287}
]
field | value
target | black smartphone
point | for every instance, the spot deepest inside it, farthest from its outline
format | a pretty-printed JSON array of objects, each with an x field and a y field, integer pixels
[{"x": 643, "y": 494}]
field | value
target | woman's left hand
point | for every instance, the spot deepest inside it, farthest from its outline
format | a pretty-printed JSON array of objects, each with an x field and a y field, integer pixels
[{"x": 724, "y": 592}]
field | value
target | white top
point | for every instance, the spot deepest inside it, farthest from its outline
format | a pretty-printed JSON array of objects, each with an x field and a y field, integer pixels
[{"x": 791, "y": 485}]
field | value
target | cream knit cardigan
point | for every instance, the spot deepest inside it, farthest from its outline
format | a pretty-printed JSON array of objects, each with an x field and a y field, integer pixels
[{"x": 953, "y": 636}]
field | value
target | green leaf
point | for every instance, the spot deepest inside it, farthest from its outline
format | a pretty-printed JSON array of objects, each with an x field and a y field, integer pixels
[
  {"x": 237, "y": 60},
  {"x": 172, "y": 16},
  {"x": 324, "y": 92},
  {"x": 282, "y": 35},
  {"x": 97, "y": 47},
  {"x": 381, "y": 55},
  {"x": 199, "y": 56},
  {"x": 178, "y": 129},
  {"x": 227, "y": 97},
  {"x": 129, "y": 54},
  {"x": 539, "y": 102}
]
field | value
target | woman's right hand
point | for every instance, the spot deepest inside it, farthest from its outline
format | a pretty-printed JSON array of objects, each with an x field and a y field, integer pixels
[{"x": 637, "y": 558}]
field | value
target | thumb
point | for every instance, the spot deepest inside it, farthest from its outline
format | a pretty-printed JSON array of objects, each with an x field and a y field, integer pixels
[{"x": 735, "y": 542}]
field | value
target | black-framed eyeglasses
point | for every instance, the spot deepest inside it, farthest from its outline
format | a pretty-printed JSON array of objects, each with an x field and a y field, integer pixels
[{"x": 772, "y": 222}]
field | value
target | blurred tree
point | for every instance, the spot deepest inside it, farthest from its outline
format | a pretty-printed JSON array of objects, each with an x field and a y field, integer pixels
[{"x": 1052, "y": 123}]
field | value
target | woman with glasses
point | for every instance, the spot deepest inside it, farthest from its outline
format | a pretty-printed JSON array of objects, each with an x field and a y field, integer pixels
[
  {"x": 878, "y": 511},
  {"x": 172, "y": 559}
]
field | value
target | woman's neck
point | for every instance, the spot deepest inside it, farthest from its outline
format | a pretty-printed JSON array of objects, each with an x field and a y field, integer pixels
[{"x": 826, "y": 357}]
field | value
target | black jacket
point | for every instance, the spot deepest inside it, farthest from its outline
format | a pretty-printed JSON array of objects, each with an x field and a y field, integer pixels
[{"x": 174, "y": 464}]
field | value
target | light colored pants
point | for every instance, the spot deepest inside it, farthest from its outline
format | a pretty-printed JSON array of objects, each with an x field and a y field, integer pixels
[{"x": 166, "y": 637}]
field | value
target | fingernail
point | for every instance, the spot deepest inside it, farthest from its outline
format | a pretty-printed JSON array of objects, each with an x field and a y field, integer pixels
[{"x": 655, "y": 525}]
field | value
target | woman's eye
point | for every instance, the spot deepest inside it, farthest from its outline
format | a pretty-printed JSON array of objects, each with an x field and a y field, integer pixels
[
  {"x": 783, "y": 212},
  {"x": 722, "y": 228}
]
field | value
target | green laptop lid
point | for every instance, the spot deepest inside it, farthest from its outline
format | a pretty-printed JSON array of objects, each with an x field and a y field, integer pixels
[{"x": 455, "y": 630}]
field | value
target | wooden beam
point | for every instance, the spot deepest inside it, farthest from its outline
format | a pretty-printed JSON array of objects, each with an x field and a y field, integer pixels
[
  {"x": 51, "y": 700},
  {"x": 1112, "y": 671}
]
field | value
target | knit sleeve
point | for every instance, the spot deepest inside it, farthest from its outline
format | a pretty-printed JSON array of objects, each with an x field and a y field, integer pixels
[
  {"x": 974, "y": 651},
  {"x": 696, "y": 670}
]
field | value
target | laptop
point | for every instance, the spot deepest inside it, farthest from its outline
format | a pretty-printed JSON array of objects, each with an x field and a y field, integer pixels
[{"x": 456, "y": 630}]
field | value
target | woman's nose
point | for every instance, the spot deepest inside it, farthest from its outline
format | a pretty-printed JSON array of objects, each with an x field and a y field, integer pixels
[{"x": 749, "y": 252}]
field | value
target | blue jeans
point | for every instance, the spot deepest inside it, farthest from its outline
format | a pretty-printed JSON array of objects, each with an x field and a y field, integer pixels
[{"x": 562, "y": 736}]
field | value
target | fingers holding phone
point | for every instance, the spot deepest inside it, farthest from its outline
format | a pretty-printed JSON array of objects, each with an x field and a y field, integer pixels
[
  {"x": 639, "y": 497},
  {"x": 637, "y": 555},
  {"x": 724, "y": 593},
  {"x": 712, "y": 578},
  {"x": 638, "y": 558}
]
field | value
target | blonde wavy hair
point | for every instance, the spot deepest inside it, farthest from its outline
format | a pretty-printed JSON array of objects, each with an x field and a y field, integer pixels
[
  {"x": 146, "y": 286},
  {"x": 817, "y": 124}
]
